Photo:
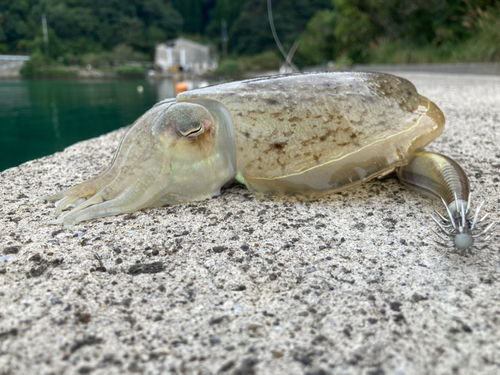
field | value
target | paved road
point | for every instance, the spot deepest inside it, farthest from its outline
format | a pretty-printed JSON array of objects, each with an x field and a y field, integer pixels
[
  {"x": 351, "y": 284},
  {"x": 457, "y": 68}
]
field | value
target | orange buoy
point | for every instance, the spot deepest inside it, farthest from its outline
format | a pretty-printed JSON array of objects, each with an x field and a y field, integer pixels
[{"x": 181, "y": 86}]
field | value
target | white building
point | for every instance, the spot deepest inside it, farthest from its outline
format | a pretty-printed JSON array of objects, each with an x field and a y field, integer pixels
[{"x": 183, "y": 55}]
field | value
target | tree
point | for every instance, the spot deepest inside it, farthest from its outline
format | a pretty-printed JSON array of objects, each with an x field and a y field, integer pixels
[
  {"x": 318, "y": 42},
  {"x": 357, "y": 27},
  {"x": 227, "y": 10},
  {"x": 250, "y": 33},
  {"x": 191, "y": 11},
  {"x": 84, "y": 26}
]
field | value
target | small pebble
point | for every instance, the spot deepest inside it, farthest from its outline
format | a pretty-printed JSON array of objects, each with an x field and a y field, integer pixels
[
  {"x": 11, "y": 249},
  {"x": 213, "y": 340}
]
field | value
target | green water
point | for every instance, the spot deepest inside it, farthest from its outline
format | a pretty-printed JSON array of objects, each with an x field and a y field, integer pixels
[{"x": 40, "y": 117}]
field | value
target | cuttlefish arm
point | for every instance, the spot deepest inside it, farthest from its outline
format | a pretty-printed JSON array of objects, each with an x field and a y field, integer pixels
[
  {"x": 117, "y": 169},
  {"x": 171, "y": 143}
]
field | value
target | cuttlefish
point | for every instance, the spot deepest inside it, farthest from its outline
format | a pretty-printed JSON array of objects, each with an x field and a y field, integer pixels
[{"x": 304, "y": 136}]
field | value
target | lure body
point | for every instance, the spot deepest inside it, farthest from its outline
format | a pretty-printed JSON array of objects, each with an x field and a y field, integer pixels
[
  {"x": 438, "y": 176},
  {"x": 303, "y": 135},
  {"x": 441, "y": 177}
]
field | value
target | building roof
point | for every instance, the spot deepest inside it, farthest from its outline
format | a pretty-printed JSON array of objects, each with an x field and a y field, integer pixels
[{"x": 190, "y": 43}]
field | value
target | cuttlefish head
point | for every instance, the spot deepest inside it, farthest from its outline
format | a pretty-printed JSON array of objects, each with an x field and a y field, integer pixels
[
  {"x": 176, "y": 152},
  {"x": 195, "y": 146}
]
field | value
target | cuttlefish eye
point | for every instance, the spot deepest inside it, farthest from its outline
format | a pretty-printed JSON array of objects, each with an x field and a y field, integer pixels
[
  {"x": 196, "y": 129},
  {"x": 189, "y": 119}
]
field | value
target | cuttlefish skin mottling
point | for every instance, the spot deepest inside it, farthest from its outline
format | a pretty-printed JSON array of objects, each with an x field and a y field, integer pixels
[{"x": 305, "y": 142}]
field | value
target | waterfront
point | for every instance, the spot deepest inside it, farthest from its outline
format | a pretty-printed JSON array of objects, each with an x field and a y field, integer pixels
[{"x": 40, "y": 117}]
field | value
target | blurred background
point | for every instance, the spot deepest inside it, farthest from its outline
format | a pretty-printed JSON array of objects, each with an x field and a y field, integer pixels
[{"x": 74, "y": 69}]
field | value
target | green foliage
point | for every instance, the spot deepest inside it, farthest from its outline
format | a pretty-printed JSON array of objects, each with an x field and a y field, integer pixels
[
  {"x": 264, "y": 61},
  {"x": 53, "y": 50},
  {"x": 131, "y": 71},
  {"x": 459, "y": 32},
  {"x": 227, "y": 10},
  {"x": 156, "y": 34},
  {"x": 56, "y": 71},
  {"x": 354, "y": 30},
  {"x": 233, "y": 68},
  {"x": 191, "y": 12},
  {"x": 15, "y": 21},
  {"x": 482, "y": 46},
  {"x": 3, "y": 37},
  {"x": 87, "y": 26},
  {"x": 391, "y": 52},
  {"x": 95, "y": 60},
  {"x": 109, "y": 33},
  {"x": 228, "y": 68},
  {"x": 121, "y": 54},
  {"x": 317, "y": 42},
  {"x": 485, "y": 43},
  {"x": 40, "y": 66},
  {"x": 250, "y": 33},
  {"x": 30, "y": 66},
  {"x": 397, "y": 31}
]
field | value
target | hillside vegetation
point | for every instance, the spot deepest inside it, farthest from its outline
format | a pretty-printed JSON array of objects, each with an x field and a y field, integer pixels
[
  {"x": 106, "y": 33},
  {"x": 401, "y": 31}
]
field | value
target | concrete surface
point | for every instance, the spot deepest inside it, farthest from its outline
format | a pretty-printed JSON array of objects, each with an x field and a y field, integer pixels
[
  {"x": 10, "y": 65},
  {"x": 492, "y": 68},
  {"x": 348, "y": 285},
  {"x": 10, "y": 71}
]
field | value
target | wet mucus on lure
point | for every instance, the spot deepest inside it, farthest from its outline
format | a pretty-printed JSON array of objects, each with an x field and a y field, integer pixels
[{"x": 302, "y": 135}]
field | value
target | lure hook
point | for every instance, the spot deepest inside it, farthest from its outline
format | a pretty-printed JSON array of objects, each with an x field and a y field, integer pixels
[{"x": 461, "y": 236}]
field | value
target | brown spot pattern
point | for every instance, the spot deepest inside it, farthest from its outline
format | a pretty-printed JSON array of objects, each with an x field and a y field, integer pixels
[{"x": 319, "y": 117}]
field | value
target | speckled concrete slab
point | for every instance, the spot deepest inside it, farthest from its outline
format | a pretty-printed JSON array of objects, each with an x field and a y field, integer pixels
[{"x": 348, "y": 285}]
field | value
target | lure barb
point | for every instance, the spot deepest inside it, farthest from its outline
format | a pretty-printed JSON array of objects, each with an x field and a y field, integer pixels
[
  {"x": 439, "y": 176},
  {"x": 459, "y": 233}
]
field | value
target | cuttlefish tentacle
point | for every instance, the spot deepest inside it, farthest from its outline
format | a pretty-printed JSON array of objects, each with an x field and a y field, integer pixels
[
  {"x": 133, "y": 198},
  {"x": 117, "y": 166},
  {"x": 142, "y": 181},
  {"x": 140, "y": 169},
  {"x": 436, "y": 175}
]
